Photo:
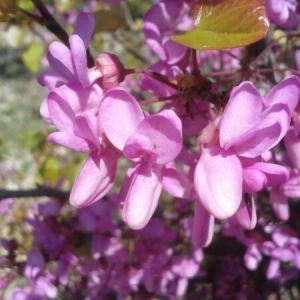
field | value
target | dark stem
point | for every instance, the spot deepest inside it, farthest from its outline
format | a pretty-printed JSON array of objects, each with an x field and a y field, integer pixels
[
  {"x": 41, "y": 191},
  {"x": 53, "y": 26}
]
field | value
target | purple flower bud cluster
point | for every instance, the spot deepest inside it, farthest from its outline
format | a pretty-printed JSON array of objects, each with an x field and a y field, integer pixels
[{"x": 86, "y": 254}]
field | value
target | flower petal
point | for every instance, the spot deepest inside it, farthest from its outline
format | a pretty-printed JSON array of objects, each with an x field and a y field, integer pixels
[
  {"x": 279, "y": 204},
  {"x": 79, "y": 60},
  {"x": 60, "y": 112},
  {"x": 86, "y": 126},
  {"x": 259, "y": 139},
  {"x": 71, "y": 141},
  {"x": 176, "y": 184},
  {"x": 84, "y": 27},
  {"x": 242, "y": 112},
  {"x": 286, "y": 92},
  {"x": 292, "y": 146},
  {"x": 142, "y": 197},
  {"x": 246, "y": 213},
  {"x": 218, "y": 182},
  {"x": 203, "y": 226},
  {"x": 59, "y": 58},
  {"x": 119, "y": 116},
  {"x": 159, "y": 135},
  {"x": 94, "y": 179}
]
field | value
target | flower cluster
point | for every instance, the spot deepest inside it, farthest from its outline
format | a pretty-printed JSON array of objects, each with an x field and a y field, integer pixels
[
  {"x": 85, "y": 254},
  {"x": 92, "y": 113},
  {"x": 204, "y": 149}
]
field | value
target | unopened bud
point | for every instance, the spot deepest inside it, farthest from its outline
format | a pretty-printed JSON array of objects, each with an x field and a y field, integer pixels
[{"x": 112, "y": 70}]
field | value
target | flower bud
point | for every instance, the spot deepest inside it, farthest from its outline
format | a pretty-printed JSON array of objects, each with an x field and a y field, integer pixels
[{"x": 112, "y": 70}]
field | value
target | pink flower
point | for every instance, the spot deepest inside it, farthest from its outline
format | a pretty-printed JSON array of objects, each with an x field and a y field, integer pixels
[
  {"x": 69, "y": 65},
  {"x": 151, "y": 142},
  {"x": 231, "y": 165}
]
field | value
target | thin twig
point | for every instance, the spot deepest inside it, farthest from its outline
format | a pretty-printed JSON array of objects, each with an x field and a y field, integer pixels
[
  {"x": 53, "y": 26},
  {"x": 41, "y": 191}
]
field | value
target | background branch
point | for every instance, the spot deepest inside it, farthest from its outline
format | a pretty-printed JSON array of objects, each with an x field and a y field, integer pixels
[{"x": 38, "y": 192}]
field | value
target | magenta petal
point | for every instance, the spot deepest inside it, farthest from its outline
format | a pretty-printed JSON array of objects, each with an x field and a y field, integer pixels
[
  {"x": 59, "y": 58},
  {"x": 252, "y": 257},
  {"x": 142, "y": 197},
  {"x": 279, "y": 204},
  {"x": 286, "y": 92},
  {"x": 71, "y": 141},
  {"x": 282, "y": 112},
  {"x": 80, "y": 99},
  {"x": 119, "y": 116},
  {"x": 246, "y": 213},
  {"x": 275, "y": 174},
  {"x": 253, "y": 143},
  {"x": 218, "y": 182},
  {"x": 242, "y": 112},
  {"x": 95, "y": 178},
  {"x": 50, "y": 80},
  {"x": 165, "y": 14},
  {"x": 253, "y": 180},
  {"x": 176, "y": 184},
  {"x": 203, "y": 226},
  {"x": 273, "y": 268},
  {"x": 84, "y": 27},
  {"x": 154, "y": 40},
  {"x": 44, "y": 111},
  {"x": 159, "y": 135},
  {"x": 175, "y": 52},
  {"x": 79, "y": 60},
  {"x": 292, "y": 145},
  {"x": 86, "y": 127},
  {"x": 60, "y": 112}
]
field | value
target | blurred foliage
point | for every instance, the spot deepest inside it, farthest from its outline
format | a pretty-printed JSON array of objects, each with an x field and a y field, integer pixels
[{"x": 31, "y": 56}]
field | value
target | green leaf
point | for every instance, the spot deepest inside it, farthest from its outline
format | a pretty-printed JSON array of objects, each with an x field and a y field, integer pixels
[
  {"x": 31, "y": 56},
  {"x": 109, "y": 20},
  {"x": 225, "y": 24}
]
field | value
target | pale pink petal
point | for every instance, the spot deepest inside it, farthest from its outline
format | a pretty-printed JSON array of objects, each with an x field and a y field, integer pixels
[
  {"x": 175, "y": 52},
  {"x": 59, "y": 58},
  {"x": 203, "y": 226},
  {"x": 286, "y": 92},
  {"x": 159, "y": 135},
  {"x": 181, "y": 286},
  {"x": 253, "y": 180},
  {"x": 218, "y": 181},
  {"x": 273, "y": 268},
  {"x": 95, "y": 178},
  {"x": 165, "y": 14},
  {"x": 279, "y": 204},
  {"x": 84, "y": 27},
  {"x": 71, "y": 141},
  {"x": 242, "y": 112},
  {"x": 44, "y": 111},
  {"x": 154, "y": 40},
  {"x": 60, "y": 112},
  {"x": 275, "y": 174},
  {"x": 142, "y": 197},
  {"x": 282, "y": 112},
  {"x": 50, "y": 80},
  {"x": 258, "y": 140},
  {"x": 119, "y": 115},
  {"x": 86, "y": 127},
  {"x": 292, "y": 146},
  {"x": 246, "y": 213},
  {"x": 81, "y": 99},
  {"x": 79, "y": 60},
  {"x": 176, "y": 184},
  {"x": 252, "y": 257}
]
